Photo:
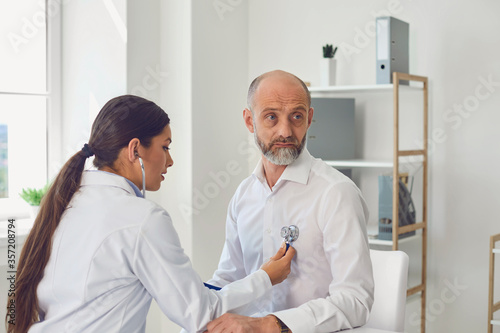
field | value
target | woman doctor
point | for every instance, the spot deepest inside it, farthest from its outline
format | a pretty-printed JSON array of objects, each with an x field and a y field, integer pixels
[{"x": 98, "y": 252}]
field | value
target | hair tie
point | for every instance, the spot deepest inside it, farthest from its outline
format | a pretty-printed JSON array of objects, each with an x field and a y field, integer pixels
[{"x": 87, "y": 151}]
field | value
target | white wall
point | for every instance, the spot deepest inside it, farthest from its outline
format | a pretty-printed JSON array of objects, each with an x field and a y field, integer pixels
[
  {"x": 456, "y": 44},
  {"x": 94, "y": 67},
  {"x": 220, "y": 67}
]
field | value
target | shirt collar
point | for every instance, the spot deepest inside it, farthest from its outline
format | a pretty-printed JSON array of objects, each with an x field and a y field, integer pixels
[
  {"x": 297, "y": 171},
  {"x": 98, "y": 177}
]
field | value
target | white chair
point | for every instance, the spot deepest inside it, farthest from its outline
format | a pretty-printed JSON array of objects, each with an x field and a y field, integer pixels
[{"x": 390, "y": 275}]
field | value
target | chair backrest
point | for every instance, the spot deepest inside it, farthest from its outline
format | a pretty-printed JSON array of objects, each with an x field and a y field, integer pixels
[{"x": 390, "y": 275}]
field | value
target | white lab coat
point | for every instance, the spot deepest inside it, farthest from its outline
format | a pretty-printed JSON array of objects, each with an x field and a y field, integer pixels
[{"x": 112, "y": 253}]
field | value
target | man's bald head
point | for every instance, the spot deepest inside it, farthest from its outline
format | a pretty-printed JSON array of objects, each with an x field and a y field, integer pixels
[{"x": 275, "y": 75}]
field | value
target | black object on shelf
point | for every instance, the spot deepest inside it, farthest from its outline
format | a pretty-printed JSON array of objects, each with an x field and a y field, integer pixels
[{"x": 407, "y": 214}]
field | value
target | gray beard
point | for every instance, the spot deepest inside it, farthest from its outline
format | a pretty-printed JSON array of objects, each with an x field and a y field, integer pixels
[{"x": 281, "y": 156}]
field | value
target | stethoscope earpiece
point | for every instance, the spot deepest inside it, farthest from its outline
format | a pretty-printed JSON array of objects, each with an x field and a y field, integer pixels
[{"x": 143, "y": 176}]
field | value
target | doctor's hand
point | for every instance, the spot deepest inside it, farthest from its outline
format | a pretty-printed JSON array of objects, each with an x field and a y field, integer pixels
[{"x": 278, "y": 267}]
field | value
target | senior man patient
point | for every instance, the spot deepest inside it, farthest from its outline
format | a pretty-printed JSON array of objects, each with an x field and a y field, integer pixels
[{"x": 330, "y": 286}]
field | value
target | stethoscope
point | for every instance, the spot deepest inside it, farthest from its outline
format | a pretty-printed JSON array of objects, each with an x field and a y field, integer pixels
[
  {"x": 143, "y": 176},
  {"x": 289, "y": 234}
]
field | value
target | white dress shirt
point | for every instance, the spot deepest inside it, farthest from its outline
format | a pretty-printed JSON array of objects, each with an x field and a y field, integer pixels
[
  {"x": 330, "y": 286},
  {"x": 112, "y": 253}
]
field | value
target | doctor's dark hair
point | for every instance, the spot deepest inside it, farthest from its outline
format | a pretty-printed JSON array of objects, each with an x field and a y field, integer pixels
[{"x": 122, "y": 119}]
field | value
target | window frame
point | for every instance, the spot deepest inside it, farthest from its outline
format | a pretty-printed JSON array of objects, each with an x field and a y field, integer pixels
[{"x": 12, "y": 207}]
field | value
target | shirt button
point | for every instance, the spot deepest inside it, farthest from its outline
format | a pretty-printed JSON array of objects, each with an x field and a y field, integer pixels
[{"x": 268, "y": 230}]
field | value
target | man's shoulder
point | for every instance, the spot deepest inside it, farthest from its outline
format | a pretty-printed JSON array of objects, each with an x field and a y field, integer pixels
[
  {"x": 246, "y": 184},
  {"x": 248, "y": 193},
  {"x": 322, "y": 172}
]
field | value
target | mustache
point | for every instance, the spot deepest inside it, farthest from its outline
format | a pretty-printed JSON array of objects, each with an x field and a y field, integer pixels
[{"x": 282, "y": 139}]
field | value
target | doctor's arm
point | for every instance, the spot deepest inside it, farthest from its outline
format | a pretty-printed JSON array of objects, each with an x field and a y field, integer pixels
[{"x": 167, "y": 274}]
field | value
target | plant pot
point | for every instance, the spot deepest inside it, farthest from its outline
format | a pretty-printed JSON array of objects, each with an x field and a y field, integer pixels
[
  {"x": 327, "y": 71},
  {"x": 34, "y": 211}
]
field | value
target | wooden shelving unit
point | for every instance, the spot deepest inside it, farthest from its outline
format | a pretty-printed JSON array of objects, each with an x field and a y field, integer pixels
[
  {"x": 397, "y": 231},
  {"x": 492, "y": 306},
  {"x": 420, "y": 155}
]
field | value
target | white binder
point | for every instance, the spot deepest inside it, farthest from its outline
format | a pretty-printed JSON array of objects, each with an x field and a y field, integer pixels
[{"x": 392, "y": 48}]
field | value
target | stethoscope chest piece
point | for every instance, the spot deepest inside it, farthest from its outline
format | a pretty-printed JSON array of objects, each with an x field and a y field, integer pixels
[{"x": 290, "y": 234}]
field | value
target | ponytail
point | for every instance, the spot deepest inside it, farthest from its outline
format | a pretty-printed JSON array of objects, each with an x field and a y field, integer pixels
[{"x": 38, "y": 245}]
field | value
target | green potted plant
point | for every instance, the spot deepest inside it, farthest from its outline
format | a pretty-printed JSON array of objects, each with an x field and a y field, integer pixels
[
  {"x": 33, "y": 197},
  {"x": 329, "y": 51},
  {"x": 328, "y": 66}
]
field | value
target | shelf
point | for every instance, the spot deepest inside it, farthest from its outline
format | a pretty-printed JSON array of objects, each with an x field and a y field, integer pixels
[
  {"x": 361, "y": 163},
  {"x": 495, "y": 322},
  {"x": 361, "y": 88},
  {"x": 496, "y": 251}
]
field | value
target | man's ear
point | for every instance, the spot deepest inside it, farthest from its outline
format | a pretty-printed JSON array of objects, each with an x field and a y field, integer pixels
[
  {"x": 310, "y": 117},
  {"x": 133, "y": 149},
  {"x": 248, "y": 118}
]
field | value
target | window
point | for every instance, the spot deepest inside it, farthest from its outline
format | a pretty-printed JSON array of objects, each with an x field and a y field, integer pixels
[
  {"x": 24, "y": 95},
  {"x": 24, "y": 154}
]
